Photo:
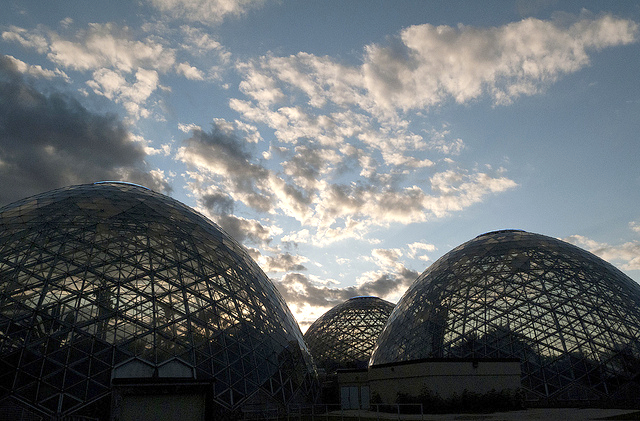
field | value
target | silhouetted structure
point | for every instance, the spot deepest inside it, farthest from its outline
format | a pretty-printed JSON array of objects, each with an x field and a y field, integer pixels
[
  {"x": 571, "y": 318},
  {"x": 111, "y": 287},
  {"x": 345, "y": 336}
]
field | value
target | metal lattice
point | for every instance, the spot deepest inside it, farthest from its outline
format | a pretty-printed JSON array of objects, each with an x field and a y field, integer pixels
[
  {"x": 94, "y": 275},
  {"x": 572, "y": 318},
  {"x": 345, "y": 336}
]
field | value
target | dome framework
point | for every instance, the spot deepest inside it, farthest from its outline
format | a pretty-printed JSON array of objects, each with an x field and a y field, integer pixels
[
  {"x": 571, "y": 318},
  {"x": 95, "y": 276},
  {"x": 345, "y": 336}
]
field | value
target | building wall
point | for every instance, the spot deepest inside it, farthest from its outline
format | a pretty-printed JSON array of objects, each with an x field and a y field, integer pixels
[{"x": 444, "y": 377}]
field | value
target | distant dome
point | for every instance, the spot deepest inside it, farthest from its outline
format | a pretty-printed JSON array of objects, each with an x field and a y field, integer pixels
[
  {"x": 345, "y": 336},
  {"x": 94, "y": 277},
  {"x": 572, "y": 318}
]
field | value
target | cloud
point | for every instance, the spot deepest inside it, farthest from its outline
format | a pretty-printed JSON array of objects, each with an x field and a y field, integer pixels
[
  {"x": 205, "y": 11},
  {"x": 431, "y": 64},
  {"x": 244, "y": 230},
  {"x": 200, "y": 43},
  {"x": 223, "y": 155},
  {"x": 427, "y": 65},
  {"x": 219, "y": 206},
  {"x": 386, "y": 258},
  {"x": 37, "y": 70},
  {"x": 50, "y": 141},
  {"x": 109, "y": 46},
  {"x": 223, "y": 158},
  {"x": 283, "y": 262},
  {"x": 23, "y": 37},
  {"x": 419, "y": 247},
  {"x": 299, "y": 290},
  {"x": 132, "y": 95},
  {"x": 308, "y": 298},
  {"x": 626, "y": 255},
  {"x": 122, "y": 69},
  {"x": 189, "y": 71},
  {"x": 356, "y": 122}
]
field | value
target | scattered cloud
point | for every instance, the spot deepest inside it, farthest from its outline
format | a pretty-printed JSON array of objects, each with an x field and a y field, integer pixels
[
  {"x": 309, "y": 296},
  {"x": 25, "y": 38},
  {"x": 123, "y": 64},
  {"x": 205, "y": 11},
  {"x": 331, "y": 119},
  {"x": 189, "y": 71},
  {"x": 417, "y": 249},
  {"x": 283, "y": 262},
  {"x": 50, "y": 141},
  {"x": 427, "y": 65},
  {"x": 330, "y": 149},
  {"x": 109, "y": 46},
  {"x": 224, "y": 157},
  {"x": 36, "y": 70},
  {"x": 626, "y": 255},
  {"x": 431, "y": 64}
]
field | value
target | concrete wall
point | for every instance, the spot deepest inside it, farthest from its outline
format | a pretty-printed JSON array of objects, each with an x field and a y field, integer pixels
[{"x": 444, "y": 377}]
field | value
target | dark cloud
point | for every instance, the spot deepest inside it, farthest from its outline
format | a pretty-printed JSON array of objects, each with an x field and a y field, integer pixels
[
  {"x": 244, "y": 230},
  {"x": 225, "y": 158},
  {"x": 222, "y": 153},
  {"x": 308, "y": 162},
  {"x": 49, "y": 141},
  {"x": 299, "y": 290},
  {"x": 285, "y": 262},
  {"x": 218, "y": 203},
  {"x": 221, "y": 207}
]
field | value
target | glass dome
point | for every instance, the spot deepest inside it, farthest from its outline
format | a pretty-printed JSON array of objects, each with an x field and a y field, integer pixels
[
  {"x": 345, "y": 336},
  {"x": 571, "y": 318},
  {"x": 95, "y": 276}
]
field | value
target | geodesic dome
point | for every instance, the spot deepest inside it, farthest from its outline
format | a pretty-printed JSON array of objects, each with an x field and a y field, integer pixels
[
  {"x": 112, "y": 276},
  {"x": 571, "y": 318},
  {"x": 345, "y": 336}
]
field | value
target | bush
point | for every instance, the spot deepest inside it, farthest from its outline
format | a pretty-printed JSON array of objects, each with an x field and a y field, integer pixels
[{"x": 492, "y": 401}]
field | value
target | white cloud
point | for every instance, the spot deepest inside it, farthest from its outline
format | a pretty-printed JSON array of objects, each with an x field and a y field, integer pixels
[
  {"x": 108, "y": 46},
  {"x": 441, "y": 142},
  {"x": 123, "y": 69},
  {"x": 186, "y": 128},
  {"x": 626, "y": 255},
  {"x": 386, "y": 258},
  {"x": 205, "y": 11},
  {"x": 37, "y": 70},
  {"x": 189, "y": 71},
  {"x": 456, "y": 190},
  {"x": 419, "y": 247},
  {"x": 431, "y": 64},
  {"x": 200, "y": 43},
  {"x": 23, "y": 37},
  {"x": 337, "y": 122},
  {"x": 114, "y": 85},
  {"x": 360, "y": 117},
  {"x": 434, "y": 63}
]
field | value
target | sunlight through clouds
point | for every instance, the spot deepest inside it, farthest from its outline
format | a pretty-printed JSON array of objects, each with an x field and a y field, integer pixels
[{"x": 346, "y": 156}]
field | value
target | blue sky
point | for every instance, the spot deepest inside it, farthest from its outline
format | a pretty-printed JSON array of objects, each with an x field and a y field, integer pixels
[{"x": 347, "y": 145}]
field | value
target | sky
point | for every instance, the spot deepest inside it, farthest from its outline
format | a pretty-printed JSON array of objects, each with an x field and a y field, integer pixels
[{"x": 347, "y": 144}]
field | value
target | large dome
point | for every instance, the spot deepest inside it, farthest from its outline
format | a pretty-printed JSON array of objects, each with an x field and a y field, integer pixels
[
  {"x": 345, "y": 336},
  {"x": 95, "y": 277},
  {"x": 571, "y": 318}
]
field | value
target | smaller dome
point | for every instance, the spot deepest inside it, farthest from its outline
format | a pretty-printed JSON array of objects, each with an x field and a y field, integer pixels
[{"x": 345, "y": 336}]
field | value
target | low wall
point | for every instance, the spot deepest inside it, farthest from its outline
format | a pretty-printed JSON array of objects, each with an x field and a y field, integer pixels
[{"x": 442, "y": 376}]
